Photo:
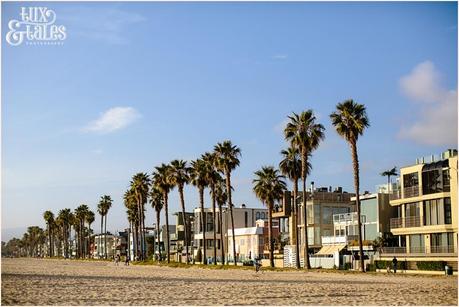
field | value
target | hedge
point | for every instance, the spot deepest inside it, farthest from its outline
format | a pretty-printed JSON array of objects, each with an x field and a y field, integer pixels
[
  {"x": 431, "y": 265},
  {"x": 383, "y": 264}
]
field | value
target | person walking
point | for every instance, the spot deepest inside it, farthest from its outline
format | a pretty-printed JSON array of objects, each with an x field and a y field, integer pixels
[{"x": 394, "y": 263}]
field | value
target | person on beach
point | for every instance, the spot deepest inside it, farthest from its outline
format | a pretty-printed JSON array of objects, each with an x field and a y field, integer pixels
[
  {"x": 117, "y": 259},
  {"x": 257, "y": 264},
  {"x": 394, "y": 263},
  {"x": 126, "y": 262}
]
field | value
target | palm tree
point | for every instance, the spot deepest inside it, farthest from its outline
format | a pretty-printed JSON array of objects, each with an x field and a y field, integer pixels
[
  {"x": 213, "y": 179},
  {"x": 157, "y": 203},
  {"x": 290, "y": 166},
  {"x": 104, "y": 206},
  {"x": 388, "y": 174},
  {"x": 304, "y": 133},
  {"x": 65, "y": 216},
  {"x": 90, "y": 218},
  {"x": 130, "y": 203},
  {"x": 102, "y": 210},
  {"x": 350, "y": 120},
  {"x": 269, "y": 186},
  {"x": 161, "y": 179},
  {"x": 227, "y": 159},
  {"x": 49, "y": 218},
  {"x": 80, "y": 215},
  {"x": 221, "y": 198},
  {"x": 179, "y": 176},
  {"x": 199, "y": 175},
  {"x": 140, "y": 184}
]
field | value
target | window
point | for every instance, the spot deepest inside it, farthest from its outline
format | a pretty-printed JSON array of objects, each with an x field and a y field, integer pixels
[
  {"x": 209, "y": 224},
  {"x": 446, "y": 182},
  {"x": 246, "y": 219},
  {"x": 263, "y": 216},
  {"x": 417, "y": 243},
  {"x": 412, "y": 209},
  {"x": 327, "y": 215},
  {"x": 410, "y": 180},
  {"x": 441, "y": 242},
  {"x": 437, "y": 211},
  {"x": 257, "y": 215},
  {"x": 432, "y": 181}
]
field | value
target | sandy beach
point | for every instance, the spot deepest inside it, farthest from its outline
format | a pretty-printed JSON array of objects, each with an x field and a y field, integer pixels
[{"x": 68, "y": 282}]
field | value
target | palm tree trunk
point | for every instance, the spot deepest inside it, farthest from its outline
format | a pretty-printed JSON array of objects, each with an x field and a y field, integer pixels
[
  {"x": 212, "y": 187},
  {"x": 295, "y": 222},
  {"x": 100, "y": 236},
  {"x": 142, "y": 226},
  {"x": 166, "y": 209},
  {"x": 49, "y": 241},
  {"x": 182, "y": 202},
  {"x": 355, "y": 163},
  {"x": 158, "y": 217},
  {"x": 203, "y": 222},
  {"x": 220, "y": 226},
  {"x": 270, "y": 234},
  {"x": 230, "y": 205},
  {"x": 105, "y": 236},
  {"x": 304, "y": 157}
]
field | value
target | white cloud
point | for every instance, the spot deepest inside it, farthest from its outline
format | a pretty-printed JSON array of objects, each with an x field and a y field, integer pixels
[
  {"x": 436, "y": 122},
  {"x": 113, "y": 119},
  {"x": 280, "y": 56}
]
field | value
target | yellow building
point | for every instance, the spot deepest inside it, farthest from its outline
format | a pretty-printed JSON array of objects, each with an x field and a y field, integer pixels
[{"x": 426, "y": 223}]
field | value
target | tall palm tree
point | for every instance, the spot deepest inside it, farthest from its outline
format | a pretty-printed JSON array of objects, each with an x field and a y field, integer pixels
[
  {"x": 350, "y": 120},
  {"x": 199, "y": 175},
  {"x": 179, "y": 176},
  {"x": 80, "y": 215},
  {"x": 49, "y": 218},
  {"x": 161, "y": 179},
  {"x": 290, "y": 166},
  {"x": 140, "y": 184},
  {"x": 227, "y": 159},
  {"x": 221, "y": 198},
  {"x": 102, "y": 210},
  {"x": 90, "y": 218},
  {"x": 157, "y": 203},
  {"x": 105, "y": 203},
  {"x": 130, "y": 203},
  {"x": 213, "y": 179},
  {"x": 269, "y": 186},
  {"x": 65, "y": 216},
  {"x": 388, "y": 174},
  {"x": 305, "y": 133}
]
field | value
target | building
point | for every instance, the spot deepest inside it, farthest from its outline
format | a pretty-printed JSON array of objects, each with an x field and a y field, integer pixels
[
  {"x": 425, "y": 201},
  {"x": 99, "y": 245},
  {"x": 243, "y": 217},
  {"x": 252, "y": 242},
  {"x": 180, "y": 234}
]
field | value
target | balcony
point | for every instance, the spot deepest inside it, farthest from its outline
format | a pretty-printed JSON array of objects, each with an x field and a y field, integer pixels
[
  {"x": 410, "y": 221},
  {"x": 407, "y": 193},
  {"x": 447, "y": 250},
  {"x": 348, "y": 218}
]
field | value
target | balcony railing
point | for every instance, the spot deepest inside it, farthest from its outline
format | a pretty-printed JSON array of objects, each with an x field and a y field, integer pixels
[
  {"x": 410, "y": 221},
  {"x": 447, "y": 249},
  {"x": 407, "y": 193}
]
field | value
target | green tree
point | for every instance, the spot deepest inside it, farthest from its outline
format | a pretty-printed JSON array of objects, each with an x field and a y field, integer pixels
[
  {"x": 350, "y": 120},
  {"x": 90, "y": 218},
  {"x": 213, "y": 179},
  {"x": 140, "y": 184},
  {"x": 179, "y": 176},
  {"x": 199, "y": 175},
  {"x": 130, "y": 203},
  {"x": 105, "y": 203},
  {"x": 290, "y": 166},
  {"x": 227, "y": 159},
  {"x": 49, "y": 218},
  {"x": 65, "y": 216},
  {"x": 269, "y": 186},
  {"x": 221, "y": 198},
  {"x": 304, "y": 133},
  {"x": 161, "y": 179},
  {"x": 388, "y": 174},
  {"x": 157, "y": 203}
]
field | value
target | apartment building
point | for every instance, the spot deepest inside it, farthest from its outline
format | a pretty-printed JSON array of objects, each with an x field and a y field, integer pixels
[
  {"x": 426, "y": 223},
  {"x": 243, "y": 217}
]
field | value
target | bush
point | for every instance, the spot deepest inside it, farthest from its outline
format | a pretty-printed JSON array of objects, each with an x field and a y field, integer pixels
[
  {"x": 247, "y": 263},
  {"x": 371, "y": 267},
  {"x": 347, "y": 266},
  {"x": 383, "y": 264},
  {"x": 199, "y": 255},
  {"x": 431, "y": 265}
]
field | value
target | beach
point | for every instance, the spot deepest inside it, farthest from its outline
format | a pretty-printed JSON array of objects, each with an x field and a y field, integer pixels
[{"x": 27, "y": 281}]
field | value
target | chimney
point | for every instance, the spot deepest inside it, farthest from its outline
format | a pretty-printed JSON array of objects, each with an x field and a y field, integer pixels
[{"x": 243, "y": 206}]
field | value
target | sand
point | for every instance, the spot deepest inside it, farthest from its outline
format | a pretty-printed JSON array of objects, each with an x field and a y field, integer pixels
[{"x": 69, "y": 282}]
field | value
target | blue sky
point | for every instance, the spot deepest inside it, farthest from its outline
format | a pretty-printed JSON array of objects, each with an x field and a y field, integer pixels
[{"x": 138, "y": 84}]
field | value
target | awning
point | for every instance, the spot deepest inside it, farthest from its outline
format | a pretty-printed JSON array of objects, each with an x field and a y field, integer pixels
[{"x": 331, "y": 249}]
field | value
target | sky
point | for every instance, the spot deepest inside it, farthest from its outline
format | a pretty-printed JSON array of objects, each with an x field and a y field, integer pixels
[{"x": 134, "y": 85}]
